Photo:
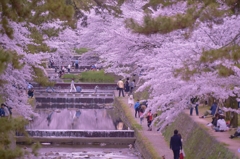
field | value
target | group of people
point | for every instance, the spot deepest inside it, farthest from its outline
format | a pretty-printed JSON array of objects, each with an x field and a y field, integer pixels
[
  {"x": 140, "y": 107},
  {"x": 5, "y": 111},
  {"x": 127, "y": 86}
]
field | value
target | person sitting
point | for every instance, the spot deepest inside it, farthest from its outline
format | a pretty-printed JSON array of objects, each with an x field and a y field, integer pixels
[
  {"x": 211, "y": 111},
  {"x": 79, "y": 89},
  {"x": 221, "y": 125},
  {"x": 214, "y": 120},
  {"x": 236, "y": 134}
]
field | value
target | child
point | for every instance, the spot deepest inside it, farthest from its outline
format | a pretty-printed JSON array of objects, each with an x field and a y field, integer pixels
[{"x": 130, "y": 100}]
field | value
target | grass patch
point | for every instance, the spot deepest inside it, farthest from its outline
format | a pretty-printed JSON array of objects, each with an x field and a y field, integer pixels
[
  {"x": 31, "y": 101},
  {"x": 142, "y": 95},
  {"x": 81, "y": 51},
  {"x": 96, "y": 76},
  {"x": 90, "y": 76}
]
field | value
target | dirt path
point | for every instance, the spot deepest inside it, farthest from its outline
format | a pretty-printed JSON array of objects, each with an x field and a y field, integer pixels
[
  {"x": 223, "y": 137},
  {"x": 155, "y": 137}
]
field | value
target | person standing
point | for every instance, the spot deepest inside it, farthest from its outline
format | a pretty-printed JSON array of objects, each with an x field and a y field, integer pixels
[
  {"x": 176, "y": 144},
  {"x": 127, "y": 88},
  {"x": 76, "y": 64},
  {"x": 69, "y": 67},
  {"x": 132, "y": 85},
  {"x": 136, "y": 108},
  {"x": 194, "y": 103},
  {"x": 7, "y": 113},
  {"x": 120, "y": 85},
  {"x": 72, "y": 86}
]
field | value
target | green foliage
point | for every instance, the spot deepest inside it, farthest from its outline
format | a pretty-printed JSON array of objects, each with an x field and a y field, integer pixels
[
  {"x": 40, "y": 77},
  {"x": 35, "y": 147},
  {"x": 89, "y": 4},
  {"x": 7, "y": 129},
  {"x": 32, "y": 48},
  {"x": 229, "y": 52},
  {"x": 51, "y": 32},
  {"x": 205, "y": 11},
  {"x": 155, "y": 3},
  {"x": 20, "y": 10},
  {"x": 224, "y": 71},
  {"x": 120, "y": 2},
  {"x": 81, "y": 51},
  {"x": 36, "y": 35},
  {"x": 162, "y": 24},
  {"x": 8, "y": 56}
]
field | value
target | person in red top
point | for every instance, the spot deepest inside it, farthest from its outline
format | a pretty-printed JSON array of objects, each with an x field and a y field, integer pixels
[{"x": 149, "y": 119}]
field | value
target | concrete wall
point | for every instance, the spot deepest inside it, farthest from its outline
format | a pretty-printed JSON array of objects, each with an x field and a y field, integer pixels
[{"x": 197, "y": 143}]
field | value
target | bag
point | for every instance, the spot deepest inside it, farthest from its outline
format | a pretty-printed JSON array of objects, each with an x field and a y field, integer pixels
[
  {"x": 181, "y": 155},
  {"x": 117, "y": 88}
]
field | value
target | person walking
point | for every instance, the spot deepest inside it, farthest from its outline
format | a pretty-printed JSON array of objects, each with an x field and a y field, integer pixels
[
  {"x": 73, "y": 88},
  {"x": 130, "y": 100},
  {"x": 136, "y": 108},
  {"x": 120, "y": 85},
  {"x": 176, "y": 144},
  {"x": 149, "y": 119}
]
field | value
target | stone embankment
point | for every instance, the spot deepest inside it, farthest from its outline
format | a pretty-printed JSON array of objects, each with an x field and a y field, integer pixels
[{"x": 198, "y": 141}]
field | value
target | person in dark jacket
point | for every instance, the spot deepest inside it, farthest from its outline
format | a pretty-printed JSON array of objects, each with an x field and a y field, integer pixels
[
  {"x": 211, "y": 111},
  {"x": 176, "y": 144},
  {"x": 2, "y": 113}
]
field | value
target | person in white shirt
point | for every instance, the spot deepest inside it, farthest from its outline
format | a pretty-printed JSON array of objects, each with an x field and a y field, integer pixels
[
  {"x": 221, "y": 125},
  {"x": 73, "y": 88},
  {"x": 130, "y": 100},
  {"x": 120, "y": 85},
  {"x": 69, "y": 67}
]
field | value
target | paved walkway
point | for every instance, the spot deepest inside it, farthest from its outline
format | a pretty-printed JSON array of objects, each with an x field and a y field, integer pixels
[
  {"x": 155, "y": 137},
  {"x": 223, "y": 137}
]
